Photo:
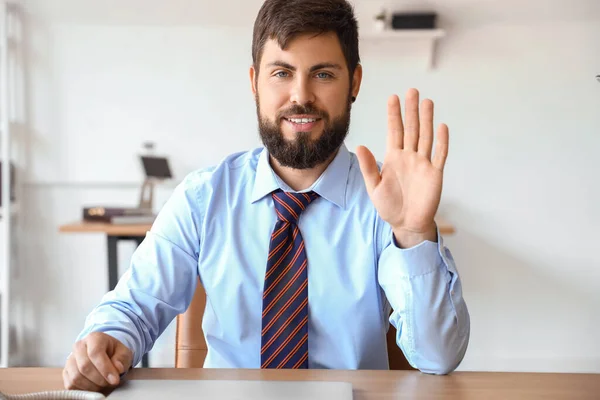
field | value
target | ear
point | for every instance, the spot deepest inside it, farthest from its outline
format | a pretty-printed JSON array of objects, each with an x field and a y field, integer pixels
[
  {"x": 356, "y": 80},
  {"x": 253, "y": 76}
]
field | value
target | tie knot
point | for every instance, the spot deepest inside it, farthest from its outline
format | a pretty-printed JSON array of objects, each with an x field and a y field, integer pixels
[{"x": 290, "y": 205}]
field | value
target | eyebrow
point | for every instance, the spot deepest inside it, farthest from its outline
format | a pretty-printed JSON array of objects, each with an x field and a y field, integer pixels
[{"x": 316, "y": 67}]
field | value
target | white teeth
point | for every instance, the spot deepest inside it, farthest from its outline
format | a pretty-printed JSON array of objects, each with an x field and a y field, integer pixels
[{"x": 302, "y": 120}]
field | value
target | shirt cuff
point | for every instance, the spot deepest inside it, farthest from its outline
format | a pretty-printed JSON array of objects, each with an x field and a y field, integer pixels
[
  {"x": 126, "y": 339},
  {"x": 420, "y": 259}
]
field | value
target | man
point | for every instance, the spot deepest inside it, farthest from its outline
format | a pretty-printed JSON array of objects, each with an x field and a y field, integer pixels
[{"x": 302, "y": 247}]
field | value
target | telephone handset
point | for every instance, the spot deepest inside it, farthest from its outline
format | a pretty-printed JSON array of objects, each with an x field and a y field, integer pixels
[{"x": 55, "y": 395}]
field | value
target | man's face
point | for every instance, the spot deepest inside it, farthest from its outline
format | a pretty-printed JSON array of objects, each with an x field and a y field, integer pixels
[{"x": 303, "y": 99}]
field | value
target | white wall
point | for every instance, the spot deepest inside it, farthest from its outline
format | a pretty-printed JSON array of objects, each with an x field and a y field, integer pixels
[{"x": 514, "y": 82}]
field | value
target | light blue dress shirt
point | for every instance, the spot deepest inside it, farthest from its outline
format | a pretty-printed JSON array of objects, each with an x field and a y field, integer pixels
[{"x": 217, "y": 225}]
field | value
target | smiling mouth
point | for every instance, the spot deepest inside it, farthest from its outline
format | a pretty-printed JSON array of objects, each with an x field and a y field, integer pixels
[
  {"x": 301, "y": 121},
  {"x": 302, "y": 124}
]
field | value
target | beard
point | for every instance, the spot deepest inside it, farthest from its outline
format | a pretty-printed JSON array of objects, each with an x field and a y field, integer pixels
[{"x": 303, "y": 152}]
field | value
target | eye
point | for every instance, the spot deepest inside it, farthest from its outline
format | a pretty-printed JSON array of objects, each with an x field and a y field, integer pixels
[
  {"x": 324, "y": 75},
  {"x": 281, "y": 74}
]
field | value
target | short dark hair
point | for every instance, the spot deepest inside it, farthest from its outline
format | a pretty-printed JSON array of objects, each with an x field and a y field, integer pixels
[{"x": 283, "y": 20}]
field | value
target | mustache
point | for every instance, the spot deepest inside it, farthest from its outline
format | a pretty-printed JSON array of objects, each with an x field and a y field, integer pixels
[{"x": 305, "y": 109}]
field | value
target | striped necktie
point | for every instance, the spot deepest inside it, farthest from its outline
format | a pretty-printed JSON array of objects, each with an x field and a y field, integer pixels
[{"x": 284, "y": 335}]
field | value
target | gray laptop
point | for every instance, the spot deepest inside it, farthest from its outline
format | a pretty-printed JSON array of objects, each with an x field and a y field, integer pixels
[{"x": 140, "y": 389}]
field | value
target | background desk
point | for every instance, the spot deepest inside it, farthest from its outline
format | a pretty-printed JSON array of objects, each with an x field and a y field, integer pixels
[
  {"x": 368, "y": 385},
  {"x": 114, "y": 234}
]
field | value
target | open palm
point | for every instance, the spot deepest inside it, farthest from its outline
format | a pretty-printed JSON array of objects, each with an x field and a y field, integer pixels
[{"x": 406, "y": 192}]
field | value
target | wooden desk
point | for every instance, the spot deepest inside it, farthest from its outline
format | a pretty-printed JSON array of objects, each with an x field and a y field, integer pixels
[
  {"x": 109, "y": 229},
  {"x": 368, "y": 385},
  {"x": 140, "y": 230}
]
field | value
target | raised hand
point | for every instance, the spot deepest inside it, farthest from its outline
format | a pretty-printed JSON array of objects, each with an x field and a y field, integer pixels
[{"x": 407, "y": 191}]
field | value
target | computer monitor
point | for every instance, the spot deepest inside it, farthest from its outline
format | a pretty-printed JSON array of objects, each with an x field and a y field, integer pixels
[{"x": 156, "y": 167}]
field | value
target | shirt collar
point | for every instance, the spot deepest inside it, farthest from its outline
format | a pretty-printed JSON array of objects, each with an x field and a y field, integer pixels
[{"x": 331, "y": 185}]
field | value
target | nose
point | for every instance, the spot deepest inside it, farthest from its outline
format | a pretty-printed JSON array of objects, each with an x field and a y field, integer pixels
[{"x": 302, "y": 92}]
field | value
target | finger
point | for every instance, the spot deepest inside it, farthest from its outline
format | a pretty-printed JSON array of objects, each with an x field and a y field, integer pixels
[
  {"x": 73, "y": 380},
  {"x": 86, "y": 367},
  {"x": 426, "y": 134},
  {"x": 395, "y": 128},
  {"x": 411, "y": 130},
  {"x": 441, "y": 147},
  {"x": 119, "y": 366},
  {"x": 97, "y": 354},
  {"x": 368, "y": 167},
  {"x": 122, "y": 358},
  {"x": 66, "y": 380}
]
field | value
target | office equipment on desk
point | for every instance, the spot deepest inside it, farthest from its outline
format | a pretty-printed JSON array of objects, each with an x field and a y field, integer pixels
[
  {"x": 156, "y": 169},
  {"x": 232, "y": 390},
  {"x": 116, "y": 214},
  {"x": 134, "y": 219}
]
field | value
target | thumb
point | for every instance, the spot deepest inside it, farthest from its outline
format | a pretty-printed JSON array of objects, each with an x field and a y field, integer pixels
[
  {"x": 122, "y": 358},
  {"x": 368, "y": 167}
]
